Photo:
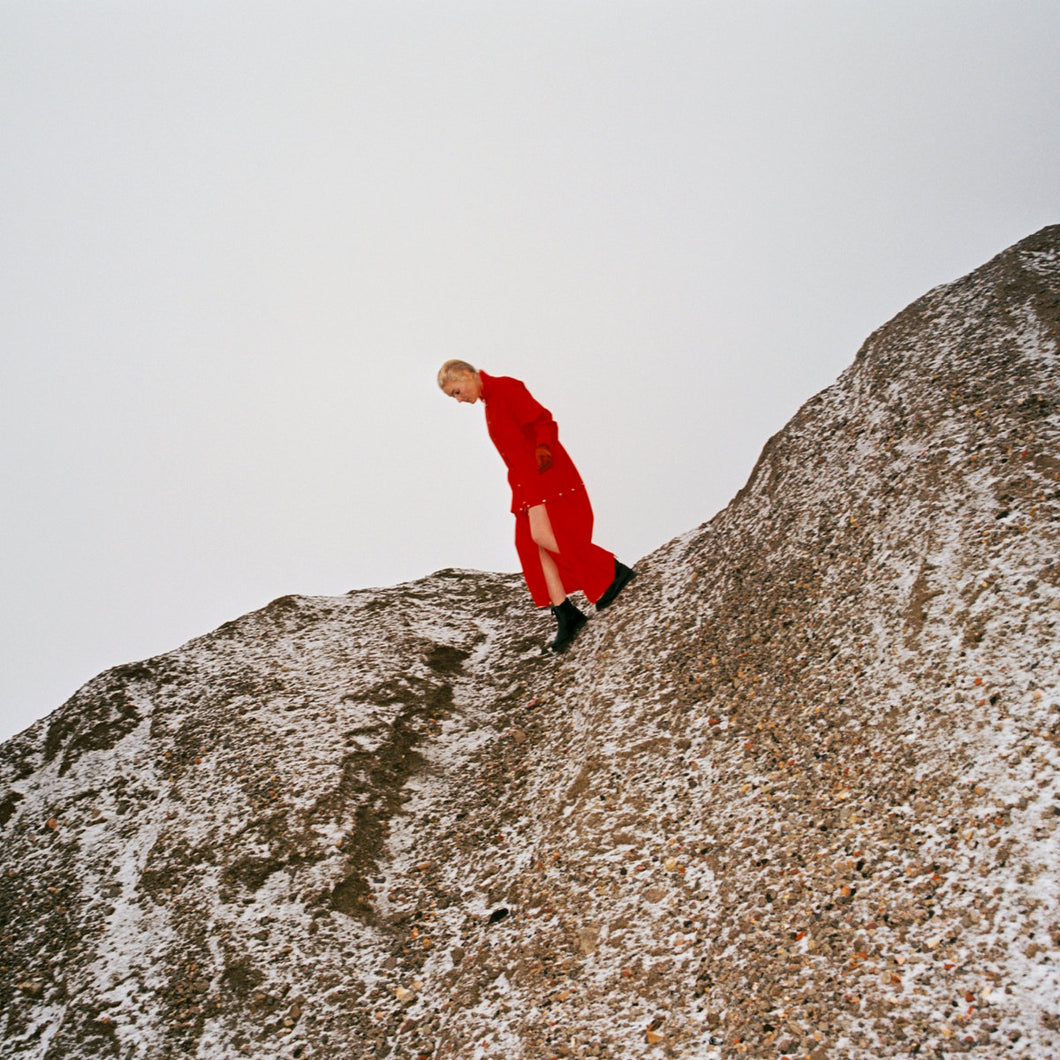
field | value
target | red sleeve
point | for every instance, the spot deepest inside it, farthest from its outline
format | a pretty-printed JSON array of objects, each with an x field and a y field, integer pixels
[{"x": 530, "y": 413}]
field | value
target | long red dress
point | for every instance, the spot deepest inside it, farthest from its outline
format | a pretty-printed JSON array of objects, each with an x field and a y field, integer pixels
[{"x": 517, "y": 424}]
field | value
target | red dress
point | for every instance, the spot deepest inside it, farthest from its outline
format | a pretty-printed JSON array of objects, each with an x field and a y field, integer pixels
[{"x": 517, "y": 424}]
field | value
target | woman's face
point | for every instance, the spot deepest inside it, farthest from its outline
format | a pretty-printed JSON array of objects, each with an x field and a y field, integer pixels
[{"x": 466, "y": 387}]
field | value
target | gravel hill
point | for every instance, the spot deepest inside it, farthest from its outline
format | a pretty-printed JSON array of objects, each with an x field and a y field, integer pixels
[{"x": 794, "y": 795}]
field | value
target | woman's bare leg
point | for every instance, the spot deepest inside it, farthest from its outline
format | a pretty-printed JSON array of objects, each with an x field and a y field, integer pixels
[
  {"x": 553, "y": 582},
  {"x": 545, "y": 539},
  {"x": 541, "y": 528}
]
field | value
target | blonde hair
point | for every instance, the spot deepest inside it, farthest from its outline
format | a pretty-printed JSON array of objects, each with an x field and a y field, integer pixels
[{"x": 453, "y": 368}]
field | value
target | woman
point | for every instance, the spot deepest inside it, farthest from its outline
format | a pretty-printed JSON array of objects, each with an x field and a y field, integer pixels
[{"x": 553, "y": 517}]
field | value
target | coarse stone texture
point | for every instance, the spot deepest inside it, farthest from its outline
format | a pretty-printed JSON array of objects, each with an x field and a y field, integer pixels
[{"x": 794, "y": 795}]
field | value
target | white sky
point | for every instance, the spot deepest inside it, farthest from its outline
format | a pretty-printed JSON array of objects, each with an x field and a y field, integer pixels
[{"x": 237, "y": 240}]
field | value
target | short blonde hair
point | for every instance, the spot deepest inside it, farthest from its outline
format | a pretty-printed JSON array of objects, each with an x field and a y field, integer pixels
[{"x": 454, "y": 368}]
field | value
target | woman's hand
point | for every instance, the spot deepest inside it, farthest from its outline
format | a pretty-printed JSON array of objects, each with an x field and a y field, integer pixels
[{"x": 544, "y": 458}]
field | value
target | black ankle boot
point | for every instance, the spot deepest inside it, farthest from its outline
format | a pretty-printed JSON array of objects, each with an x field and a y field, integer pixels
[
  {"x": 569, "y": 620},
  {"x": 623, "y": 576}
]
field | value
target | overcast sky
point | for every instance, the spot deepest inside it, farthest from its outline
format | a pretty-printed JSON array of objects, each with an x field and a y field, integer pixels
[{"x": 238, "y": 238}]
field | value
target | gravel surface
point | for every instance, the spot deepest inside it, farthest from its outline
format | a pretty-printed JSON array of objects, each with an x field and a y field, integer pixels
[{"x": 795, "y": 794}]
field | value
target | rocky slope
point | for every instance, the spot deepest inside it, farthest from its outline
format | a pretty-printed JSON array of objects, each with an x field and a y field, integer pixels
[{"x": 794, "y": 795}]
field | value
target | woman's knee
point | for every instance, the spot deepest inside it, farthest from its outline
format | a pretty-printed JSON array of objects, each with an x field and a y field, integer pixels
[
  {"x": 544, "y": 539},
  {"x": 541, "y": 529}
]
